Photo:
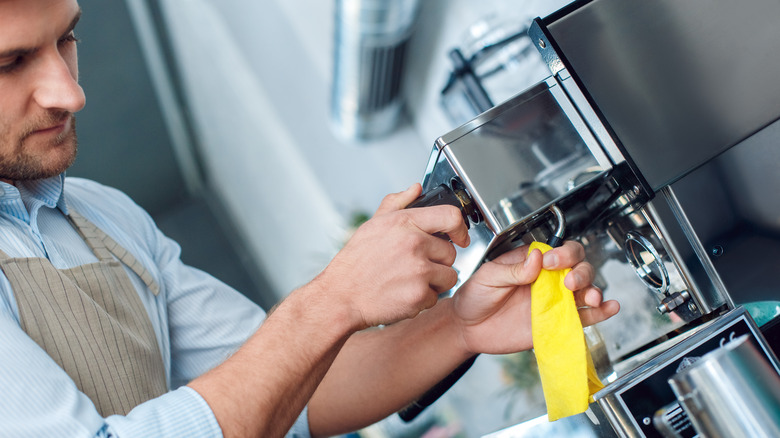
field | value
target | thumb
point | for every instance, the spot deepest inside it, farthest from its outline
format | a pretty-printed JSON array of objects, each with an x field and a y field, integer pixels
[
  {"x": 399, "y": 201},
  {"x": 513, "y": 274}
]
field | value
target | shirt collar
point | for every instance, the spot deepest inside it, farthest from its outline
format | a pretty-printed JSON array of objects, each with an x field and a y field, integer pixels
[{"x": 48, "y": 191}]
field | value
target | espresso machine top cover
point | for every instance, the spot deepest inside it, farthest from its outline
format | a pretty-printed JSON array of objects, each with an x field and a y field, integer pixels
[{"x": 677, "y": 82}]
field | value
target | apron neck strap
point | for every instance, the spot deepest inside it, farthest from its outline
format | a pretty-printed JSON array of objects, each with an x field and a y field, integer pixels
[{"x": 105, "y": 248}]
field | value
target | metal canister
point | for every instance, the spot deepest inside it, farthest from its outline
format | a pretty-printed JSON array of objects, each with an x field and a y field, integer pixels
[{"x": 731, "y": 392}]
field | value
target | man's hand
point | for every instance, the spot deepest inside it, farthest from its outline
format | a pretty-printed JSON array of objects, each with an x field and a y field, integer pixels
[
  {"x": 380, "y": 371},
  {"x": 393, "y": 267},
  {"x": 494, "y": 306}
]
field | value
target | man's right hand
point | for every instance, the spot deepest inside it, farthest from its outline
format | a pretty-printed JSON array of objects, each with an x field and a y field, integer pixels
[{"x": 393, "y": 267}]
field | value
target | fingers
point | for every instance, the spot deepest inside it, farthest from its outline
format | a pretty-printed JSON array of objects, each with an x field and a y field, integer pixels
[
  {"x": 564, "y": 256},
  {"x": 399, "y": 201},
  {"x": 441, "y": 251},
  {"x": 439, "y": 219},
  {"x": 502, "y": 273},
  {"x": 581, "y": 276},
  {"x": 589, "y": 296},
  {"x": 568, "y": 255},
  {"x": 592, "y": 309},
  {"x": 444, "y": 279},
  {"x": 514, "y": 256},
  {"x": 594, "y": 315}
]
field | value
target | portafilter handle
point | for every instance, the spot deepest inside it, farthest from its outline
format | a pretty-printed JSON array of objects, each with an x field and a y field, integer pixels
[{"x": 454, "y": 194}]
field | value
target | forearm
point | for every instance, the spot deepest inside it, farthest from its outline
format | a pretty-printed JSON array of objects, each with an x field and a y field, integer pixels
[
  {"x": 391, "y": 269},
  {"x": 261, "y": 389},
  {"x": 380, "y": 371}
]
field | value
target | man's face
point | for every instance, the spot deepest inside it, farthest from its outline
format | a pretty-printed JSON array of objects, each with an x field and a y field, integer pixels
[{"x": 39, "y": 91}]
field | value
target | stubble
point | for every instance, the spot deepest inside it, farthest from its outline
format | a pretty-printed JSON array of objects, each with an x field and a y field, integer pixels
[{"x": 19, "y": 163}]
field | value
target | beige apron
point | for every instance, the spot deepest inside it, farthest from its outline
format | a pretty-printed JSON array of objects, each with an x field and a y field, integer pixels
[{"x": 91, "y": 321}]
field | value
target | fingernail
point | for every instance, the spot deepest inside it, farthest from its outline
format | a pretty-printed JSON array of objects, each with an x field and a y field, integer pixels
[
  {"x": 550, "y": 260},
  {"x": 528, "y": 259}
]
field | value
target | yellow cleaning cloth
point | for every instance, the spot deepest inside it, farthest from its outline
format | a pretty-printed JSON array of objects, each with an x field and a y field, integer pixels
[{"x": 565, "y": 366}]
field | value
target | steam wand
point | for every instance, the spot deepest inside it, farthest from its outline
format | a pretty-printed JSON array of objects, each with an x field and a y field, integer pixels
[{"x": 557, "y": 238}]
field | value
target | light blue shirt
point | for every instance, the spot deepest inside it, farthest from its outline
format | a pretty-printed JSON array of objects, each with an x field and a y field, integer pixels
[{"x": 199, "y": 321}]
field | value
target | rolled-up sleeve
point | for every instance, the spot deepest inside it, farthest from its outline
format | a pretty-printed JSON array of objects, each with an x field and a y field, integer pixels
[{"x": 182, "y": 412}]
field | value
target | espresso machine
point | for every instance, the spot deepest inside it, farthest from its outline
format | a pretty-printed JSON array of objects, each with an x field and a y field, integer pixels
[{"x": 654, "y": 142}]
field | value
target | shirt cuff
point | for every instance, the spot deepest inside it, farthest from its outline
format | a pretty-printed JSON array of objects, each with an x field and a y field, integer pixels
[{"x": 181, "y": 412}]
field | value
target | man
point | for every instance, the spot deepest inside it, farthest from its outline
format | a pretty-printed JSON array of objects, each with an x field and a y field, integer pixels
[{"x": 104, "y": 332}]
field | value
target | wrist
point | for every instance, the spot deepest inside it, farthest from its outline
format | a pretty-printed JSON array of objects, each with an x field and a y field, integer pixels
[
  {"x": 457, "y": 327},
  {"x": 319, "y": 302}
]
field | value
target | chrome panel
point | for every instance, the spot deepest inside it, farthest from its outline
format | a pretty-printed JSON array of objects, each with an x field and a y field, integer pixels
[{"x": 678, "y": 81}]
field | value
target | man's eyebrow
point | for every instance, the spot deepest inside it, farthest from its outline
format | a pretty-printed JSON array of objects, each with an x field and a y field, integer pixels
[
  {"x": 17, "y": 52},
  {"x": 29, "y": 51}
]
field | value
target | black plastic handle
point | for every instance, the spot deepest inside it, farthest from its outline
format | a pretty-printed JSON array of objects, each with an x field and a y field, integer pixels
[
  {"x": 441, "y": 195},
  {"x": 454, "y": 194},
  {"x": 414, "y": 409}
]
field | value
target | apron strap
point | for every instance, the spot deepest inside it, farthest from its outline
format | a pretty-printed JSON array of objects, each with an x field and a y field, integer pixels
[{"x": 104, "y": 246}]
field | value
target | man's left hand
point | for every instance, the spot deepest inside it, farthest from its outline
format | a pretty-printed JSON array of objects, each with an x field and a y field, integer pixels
[{"x": 493, "y": 307}]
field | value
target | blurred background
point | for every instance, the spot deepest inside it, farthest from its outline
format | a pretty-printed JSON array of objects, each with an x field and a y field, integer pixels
[{"x": 259, "y": 134}]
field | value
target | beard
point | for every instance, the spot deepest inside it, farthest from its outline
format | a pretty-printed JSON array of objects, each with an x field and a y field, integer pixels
[{"x": 57, "y": 154}]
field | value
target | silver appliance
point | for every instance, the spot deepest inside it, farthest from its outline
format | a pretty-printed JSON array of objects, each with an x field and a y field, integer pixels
[{"x": 654, "y": 142}]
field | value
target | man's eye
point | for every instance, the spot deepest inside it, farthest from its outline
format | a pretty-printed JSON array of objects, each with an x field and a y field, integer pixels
[
  {"x": 69, "y": 38},
  {"x": 9, "y": 65}
]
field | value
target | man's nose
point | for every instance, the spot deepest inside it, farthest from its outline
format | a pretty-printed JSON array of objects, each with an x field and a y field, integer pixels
[{"x": 57, "y": 87}]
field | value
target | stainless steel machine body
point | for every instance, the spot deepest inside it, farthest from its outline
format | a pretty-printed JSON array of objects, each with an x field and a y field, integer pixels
[{"x": 657, "y": 136}]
